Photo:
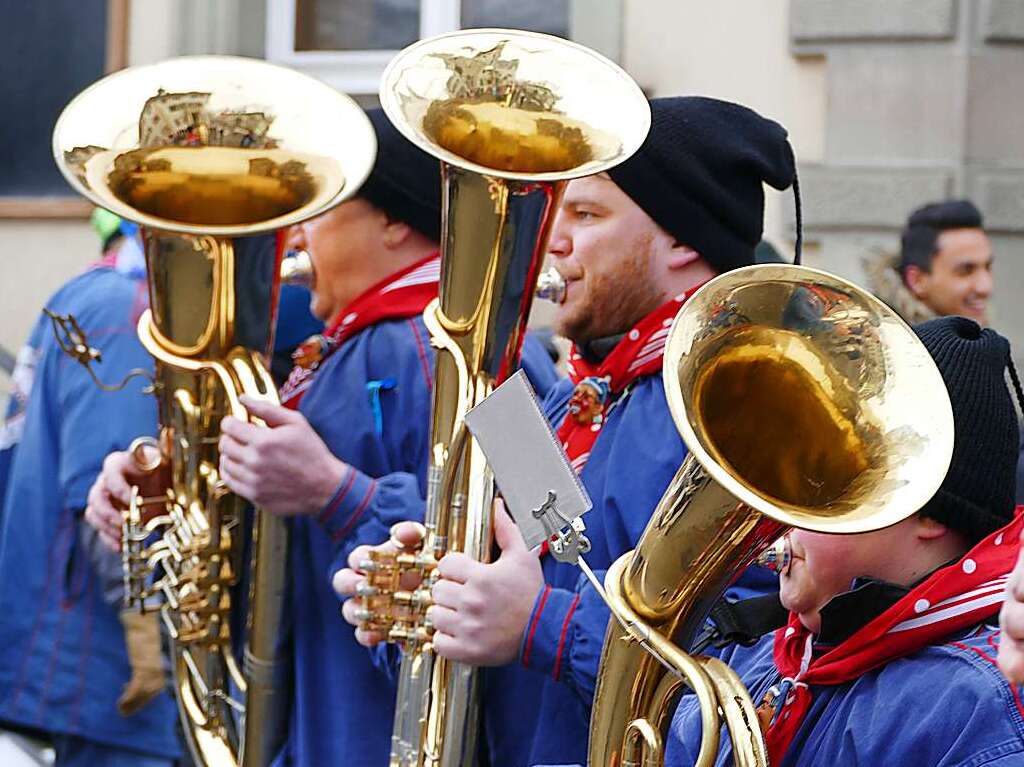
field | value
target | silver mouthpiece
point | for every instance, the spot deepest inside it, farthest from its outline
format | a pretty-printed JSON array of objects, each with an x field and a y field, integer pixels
[
  {"x": 777, "y": 556},
  {"x": 297, "y": 268},
  {"x": 551, "y": 286}
]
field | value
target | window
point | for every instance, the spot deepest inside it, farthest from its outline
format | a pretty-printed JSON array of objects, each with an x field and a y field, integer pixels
[
  {"x": 349, "y": 42},
  {"x": 356, "y": 25}
]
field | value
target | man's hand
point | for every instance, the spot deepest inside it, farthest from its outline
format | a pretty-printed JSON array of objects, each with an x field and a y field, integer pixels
[
  {"x": 284, "y": 468},
  {"x": 480, "y": 611},
  {"x": 111, "y": 493},
  {"x": 346, "y": 582},
  {"x": 1011, "y": 621}
]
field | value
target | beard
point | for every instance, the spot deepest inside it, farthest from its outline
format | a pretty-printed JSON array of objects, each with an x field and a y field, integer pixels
[{"x": 614, "y": 300}]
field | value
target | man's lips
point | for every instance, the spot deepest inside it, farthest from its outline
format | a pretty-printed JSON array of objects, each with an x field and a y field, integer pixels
[{"x": 976, "y": 304}]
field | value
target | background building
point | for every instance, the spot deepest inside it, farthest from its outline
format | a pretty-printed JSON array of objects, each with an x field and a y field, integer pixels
[{"x": 889, "y": 103}]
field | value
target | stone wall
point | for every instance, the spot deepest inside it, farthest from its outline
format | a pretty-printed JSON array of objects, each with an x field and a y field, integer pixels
[{"x": 923, "y": 102}]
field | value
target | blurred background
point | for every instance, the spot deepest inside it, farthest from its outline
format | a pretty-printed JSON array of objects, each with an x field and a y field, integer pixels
[{"x": 889, "y": 103}]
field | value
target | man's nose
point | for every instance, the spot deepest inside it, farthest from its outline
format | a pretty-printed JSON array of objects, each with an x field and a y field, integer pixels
[
  {"x": 295, "y": 238},
  {"x": 559, "y": 244},
  {"x": 983, "y": 282}
]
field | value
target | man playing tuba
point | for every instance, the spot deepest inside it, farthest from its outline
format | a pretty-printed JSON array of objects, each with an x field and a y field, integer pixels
[
  {"x": 888, "y": 653},
  {"x": 632, "y": 244},
  {"x": 356, "y": 409}
]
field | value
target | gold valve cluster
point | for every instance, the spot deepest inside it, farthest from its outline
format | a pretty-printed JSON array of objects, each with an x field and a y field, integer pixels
[
  {"x": 399, "y": 613},
  {"x": 174, "y": 555}
]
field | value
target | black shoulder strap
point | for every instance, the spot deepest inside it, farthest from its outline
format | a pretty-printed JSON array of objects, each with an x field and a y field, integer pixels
[{"x": 742, "y": 622}]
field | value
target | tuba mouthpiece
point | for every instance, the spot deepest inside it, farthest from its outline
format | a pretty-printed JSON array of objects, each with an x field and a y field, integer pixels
[
  {"x": 777, "y": 556},
  {"x": 297, "y": 268},
  {"x": 551, "y": 286}
]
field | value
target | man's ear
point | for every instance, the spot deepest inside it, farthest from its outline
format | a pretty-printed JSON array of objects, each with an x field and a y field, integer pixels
[
  {"x": 916, "y": 280},
  {"x": 681, "y": 256},
  {"x": 929, "y": 529},
  {"x": 395, "y": 233}
]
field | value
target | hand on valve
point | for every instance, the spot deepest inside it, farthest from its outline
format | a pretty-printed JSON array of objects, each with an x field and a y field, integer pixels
[
  {"x": 479, "y": 611},
  {"x": 111, "y": 493}
]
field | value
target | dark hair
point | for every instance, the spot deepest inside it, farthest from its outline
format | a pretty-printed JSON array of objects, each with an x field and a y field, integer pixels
[{"x": 918, "y": 242}]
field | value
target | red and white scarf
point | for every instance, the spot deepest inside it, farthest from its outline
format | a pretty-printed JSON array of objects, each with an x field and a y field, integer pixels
[
  {"x": 949, "y": 601},
  {"x": 401, "y": 295},
  {"x": 638, "y": 354}
]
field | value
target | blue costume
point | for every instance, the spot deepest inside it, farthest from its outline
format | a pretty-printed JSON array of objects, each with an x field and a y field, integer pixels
[
  {"x": 945, "y": 705},
  {"x": 538, "y": 711},
  {"x": 64, "y": 661},
  {"x": 369, "y": 401}
]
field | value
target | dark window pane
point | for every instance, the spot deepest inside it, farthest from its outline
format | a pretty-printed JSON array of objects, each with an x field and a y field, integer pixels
[
  {"x": 356, "y": 25},
  {"x": 551, "y": 16}
]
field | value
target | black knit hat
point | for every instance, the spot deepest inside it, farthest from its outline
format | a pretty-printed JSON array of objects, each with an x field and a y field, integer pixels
[
  {"x": 405, "y": 181},
  {"x": 699, "y": 175},
  {"x": 976, "y": 497}
]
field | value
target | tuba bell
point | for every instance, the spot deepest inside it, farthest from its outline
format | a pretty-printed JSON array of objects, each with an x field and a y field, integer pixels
[
  {"x": 512, "y": 116},
  {"x": 804, "y": 402},
  {"x": 211, "y": 155}
]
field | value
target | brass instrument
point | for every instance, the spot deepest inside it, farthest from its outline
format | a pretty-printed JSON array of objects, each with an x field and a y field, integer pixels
[
  {"x": 804, "y": 402},
  {"x": 512, "y": 115},
  {"x": 211, "y": 155}
]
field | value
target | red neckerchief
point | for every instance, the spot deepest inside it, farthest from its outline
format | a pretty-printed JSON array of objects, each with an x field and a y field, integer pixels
[
  {"x": 949, "y": 601},
  {"x": 638, "y": 354},
  {"x": 402, "y": 295}
]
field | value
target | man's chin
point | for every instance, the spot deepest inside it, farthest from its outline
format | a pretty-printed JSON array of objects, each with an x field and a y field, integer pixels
[
  {"x": 978, "y": 315},
  {"x": 567, "y": 324},
  {"x": 318, "y": 311}
]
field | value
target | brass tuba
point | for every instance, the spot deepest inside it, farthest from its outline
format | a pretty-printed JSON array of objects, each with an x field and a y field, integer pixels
[
  {"x": 211, "y": 155},
  {"x": 804, "y": 402},
  {"x": 512, "y": 115}
]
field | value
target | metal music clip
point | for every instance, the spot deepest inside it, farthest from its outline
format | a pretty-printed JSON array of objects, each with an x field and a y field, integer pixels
[{"x": 565, "y": 537}]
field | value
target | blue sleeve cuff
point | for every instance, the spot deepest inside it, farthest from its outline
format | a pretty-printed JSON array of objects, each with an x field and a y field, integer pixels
[
  {"x": 547, "y": 641},
  {"x": 353, "y": 496}
]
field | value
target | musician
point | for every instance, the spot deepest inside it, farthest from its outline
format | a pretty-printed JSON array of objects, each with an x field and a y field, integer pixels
[
  {"x": 632, "y": 244},
  {"x": 70, "y": 669},
  {"x": 353, "y": 431},
  {"x": 888, "y": 655}
]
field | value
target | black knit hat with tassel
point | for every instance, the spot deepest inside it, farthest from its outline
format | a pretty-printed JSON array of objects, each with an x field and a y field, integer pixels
[
  {"x": 977, "y": 496},
  {"x": 700, "y": 175}
]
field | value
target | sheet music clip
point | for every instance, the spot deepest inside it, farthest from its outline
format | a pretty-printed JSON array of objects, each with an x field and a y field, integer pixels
[{"x": 565, "y": 537}]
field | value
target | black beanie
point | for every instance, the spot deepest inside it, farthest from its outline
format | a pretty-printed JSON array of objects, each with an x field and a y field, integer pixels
[
  {"x": 977, "y": 496},
  {"x": 699, "y": 175},
  {"x": 405, "y": 181}
]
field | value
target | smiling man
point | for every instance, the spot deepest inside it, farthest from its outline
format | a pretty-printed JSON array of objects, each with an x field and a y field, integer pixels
[{"x": 944, "y": 267}]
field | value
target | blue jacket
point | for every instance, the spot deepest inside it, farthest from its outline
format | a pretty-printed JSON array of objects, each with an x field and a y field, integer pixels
[
  {"x": 63, "y": 661},
  {"x": 538, "y": 711},
  {"x": 943, "y": 706},
  {"x": 633, "y": 460},
  {"x": 370, "y": 403}
]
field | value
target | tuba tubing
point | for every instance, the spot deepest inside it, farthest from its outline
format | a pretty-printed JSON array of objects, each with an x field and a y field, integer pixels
[{"x": 488, "y": 104}]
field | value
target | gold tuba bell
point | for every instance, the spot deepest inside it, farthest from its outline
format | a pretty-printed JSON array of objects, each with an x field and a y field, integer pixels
[
  {"x": 512, "y": 116},
  {"x": 211, "y": 155},
  {"x": 804, "y": 402}
]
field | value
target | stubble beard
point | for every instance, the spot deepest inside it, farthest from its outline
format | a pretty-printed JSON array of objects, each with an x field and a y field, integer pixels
[{"x": 616, "y": 301}]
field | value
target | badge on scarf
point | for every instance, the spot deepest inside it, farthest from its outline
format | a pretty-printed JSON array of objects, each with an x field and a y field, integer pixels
[
  {"x": 311, "y": 352},
  {"x": 586, "y": 406}
]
